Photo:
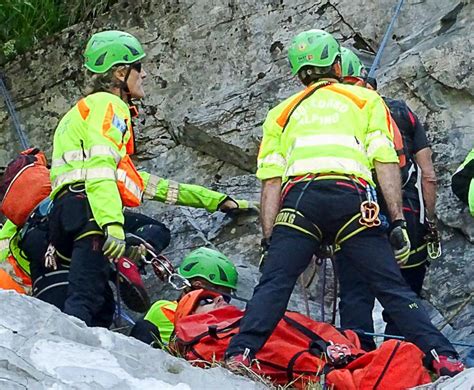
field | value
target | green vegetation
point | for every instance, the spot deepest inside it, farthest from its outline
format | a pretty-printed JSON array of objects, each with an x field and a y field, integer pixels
[{"x": 25, "y": 22}]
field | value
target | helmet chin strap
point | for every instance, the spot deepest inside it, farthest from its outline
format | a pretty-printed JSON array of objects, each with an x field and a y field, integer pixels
[{"x": 124, "y": 90}]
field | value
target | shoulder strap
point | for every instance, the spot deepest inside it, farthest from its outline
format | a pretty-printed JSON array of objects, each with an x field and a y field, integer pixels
[
  {"x": 317, "y": 342},
  {"x": 285, "y": 116},
  {"x": 212, "y": 331}
]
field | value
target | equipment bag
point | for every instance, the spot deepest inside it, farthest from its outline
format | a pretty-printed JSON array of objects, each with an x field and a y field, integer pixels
[
  {"x": 24, "y": 185},
  {"x": 395, "y": 365},
  {"x": 297, "y": 351}
]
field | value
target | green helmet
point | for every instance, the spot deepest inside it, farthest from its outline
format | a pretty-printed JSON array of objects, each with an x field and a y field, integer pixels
[
  {"x": 210, "y": 265},
  {"x": 108, "y": 48},
  {"x": 351, "y": 64},
  {"x": 313, "y": 47}
]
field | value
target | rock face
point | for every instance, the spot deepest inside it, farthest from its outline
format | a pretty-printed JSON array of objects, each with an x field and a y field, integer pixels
[
  {"x": 464, "y": 380},
  {"x": 51, "y": 350},
  {"x": 215, "y": 68}
]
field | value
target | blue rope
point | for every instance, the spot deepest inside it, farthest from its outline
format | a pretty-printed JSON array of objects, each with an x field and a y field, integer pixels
[
  {"x": 378, "y": 56},
  {"x": 392, "y": 336},
  {"x": 127, "y": 318},
  {"x": 323, "y": 293}
]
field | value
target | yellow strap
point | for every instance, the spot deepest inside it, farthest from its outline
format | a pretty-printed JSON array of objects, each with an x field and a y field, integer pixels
[
  {"x": 297, "y": 228},
  {"x": 414, "y": 251},
  {"x": 312, "y": 177},
  {"x": 89, "y": 233},
  {"x": 61, "y": 256},
  {"x": 414, "y": 265},
  {"x": 288, "y": 217}
]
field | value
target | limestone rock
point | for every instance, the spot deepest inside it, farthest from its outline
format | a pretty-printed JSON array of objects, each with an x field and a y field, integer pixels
[{"x": 42, "y": 348}]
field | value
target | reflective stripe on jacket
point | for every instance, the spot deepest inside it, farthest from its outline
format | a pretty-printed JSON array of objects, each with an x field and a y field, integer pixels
[
  {"x": 326, "y": 128},
  {"x": 90, "y": 145}
]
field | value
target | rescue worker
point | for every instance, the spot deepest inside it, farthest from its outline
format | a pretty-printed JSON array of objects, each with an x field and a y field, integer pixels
[
  {"x": 25, "y": 250},
  {"x": 419, "y": 201},
  {"x": 321, "y": 145},
  {"x": 93, "y": 176},
  {"x": 462, "y": 182},
  {"x": 204, "y": 268}
]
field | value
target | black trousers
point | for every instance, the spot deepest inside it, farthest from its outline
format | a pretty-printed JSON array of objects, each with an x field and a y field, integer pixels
[
  {"x": 329, "y": 204},
  {"x": 152, "y": 231},
  {"x": 51, "y": 285},
  {"x": 75, "y": 235},
  {"x": 88, "y": 294},
  {"x": 357, "y": 299}
]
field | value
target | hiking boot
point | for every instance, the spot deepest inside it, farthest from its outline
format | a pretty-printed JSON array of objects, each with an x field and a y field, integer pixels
[
  {"x": 447, "y": 366},
  {"x": 240, "y": 363},
  {"x": 132, "y": 290}
]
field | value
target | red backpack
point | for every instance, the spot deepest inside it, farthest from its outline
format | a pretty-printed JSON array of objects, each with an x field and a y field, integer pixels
[
  {"x": 24, "y": 185},
  {"x": 395, "y": 365},
  {"x": 295, "y": 352}
]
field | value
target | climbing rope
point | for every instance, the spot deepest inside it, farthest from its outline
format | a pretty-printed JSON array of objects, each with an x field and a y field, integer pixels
[
  {"x": 392, "y": 336},
  {"x": 458, "y": 310},
  {"x": 378, "y": 56},
  {"x": 305, "y": 295},
  {"x": 118, "y": 303},
  {"x": 13, "y": 114},
  {"x": 325, "y": 256},
  {"x": 323, "y": 292},
  {"x": 335, "y": 291}
]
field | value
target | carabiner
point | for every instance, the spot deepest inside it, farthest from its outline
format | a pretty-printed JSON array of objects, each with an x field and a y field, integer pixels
[
  {"x": 181, "y": 284},
  {"x": 434, "y": 249}
]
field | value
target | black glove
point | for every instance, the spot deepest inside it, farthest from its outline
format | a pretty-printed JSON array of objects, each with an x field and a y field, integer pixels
[
  {"x": 264, "y": 245},
  {"x": 400, "y": 241},
  {"x": 239, "y": 206}
]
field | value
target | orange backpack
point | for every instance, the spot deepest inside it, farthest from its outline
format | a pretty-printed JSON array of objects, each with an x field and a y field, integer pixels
[{"x": 24, "y": 185}]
